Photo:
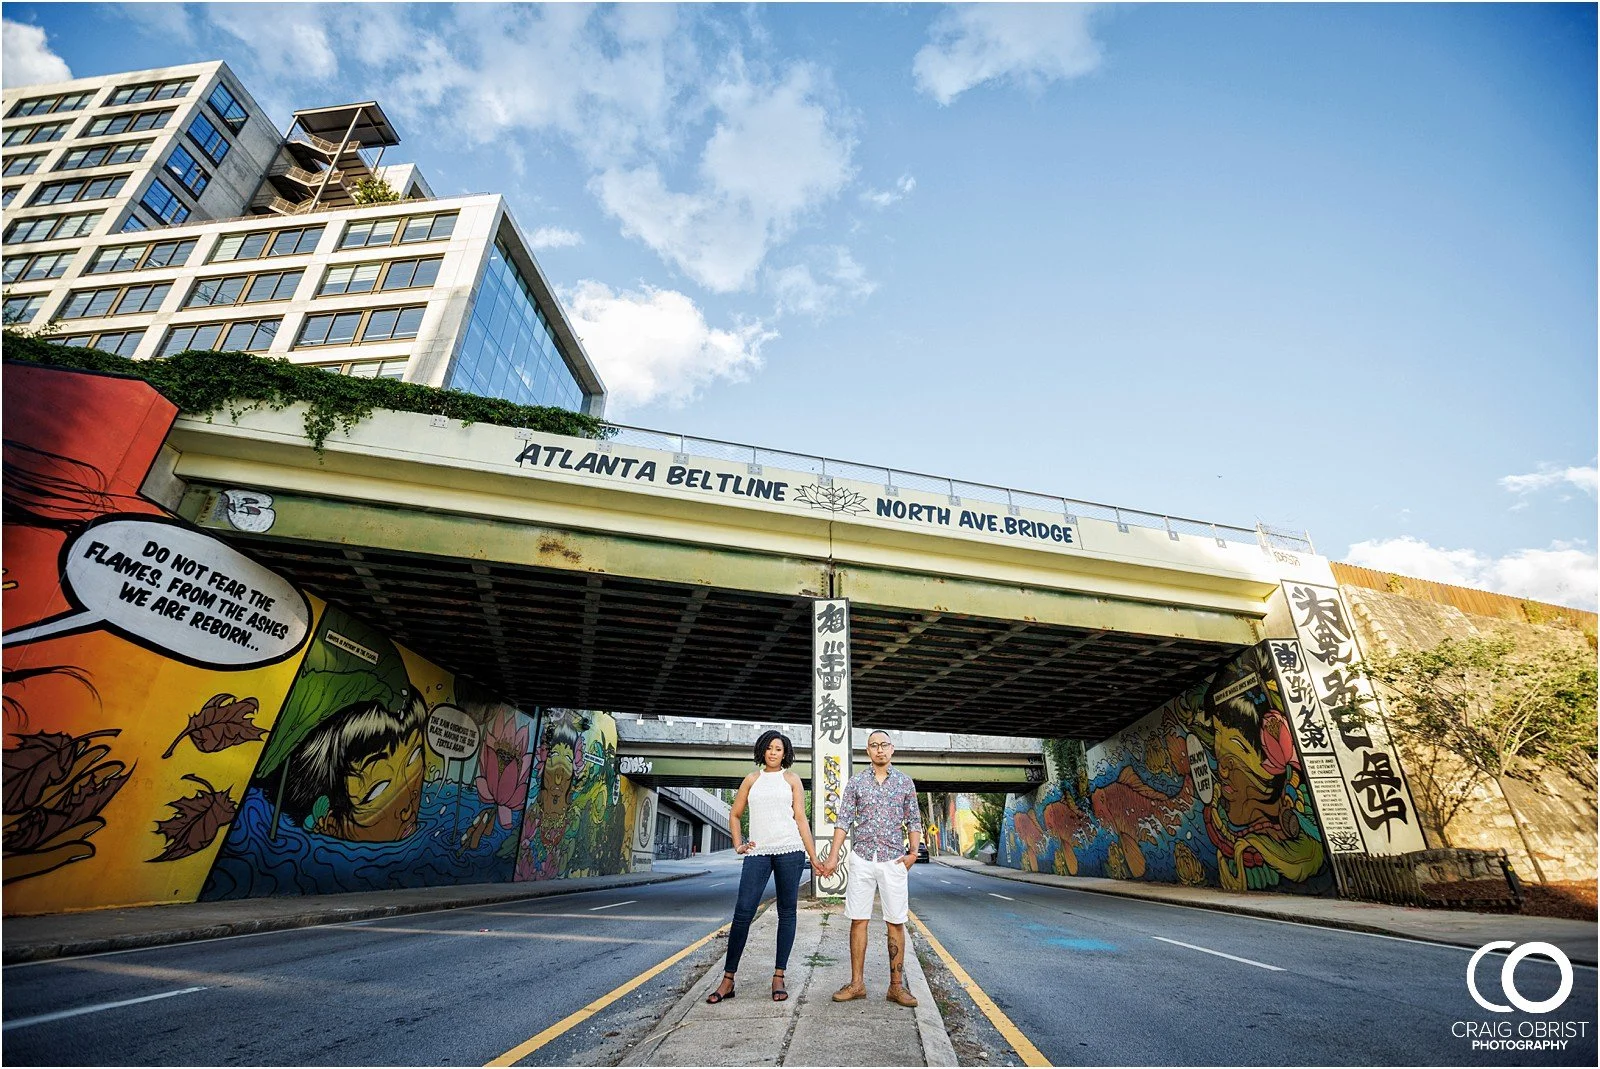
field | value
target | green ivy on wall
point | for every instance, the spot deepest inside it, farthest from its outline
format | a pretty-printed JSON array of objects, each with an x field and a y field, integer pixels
[{"x": 203, "y": 383}]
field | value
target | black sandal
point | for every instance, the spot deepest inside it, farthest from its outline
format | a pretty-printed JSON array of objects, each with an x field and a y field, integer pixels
[
  {"x": 781, "y": 992},
  {"x": 717, "y": 996}
]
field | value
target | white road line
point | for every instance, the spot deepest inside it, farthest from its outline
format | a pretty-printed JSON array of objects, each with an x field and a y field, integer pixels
[
  {"x": 944, "y": 881},
  {"x": 613, "y": 905},
  {"x": 993, "y": 895},
  {"x": 45, "y": 1017},
  {"x": 1218, "y": 953}
]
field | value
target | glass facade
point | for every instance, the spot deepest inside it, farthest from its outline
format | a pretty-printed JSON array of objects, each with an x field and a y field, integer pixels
[{"x": 509, "y": 351}]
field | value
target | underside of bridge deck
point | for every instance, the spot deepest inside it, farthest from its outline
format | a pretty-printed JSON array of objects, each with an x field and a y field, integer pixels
[{"x": 567, "y": 637}]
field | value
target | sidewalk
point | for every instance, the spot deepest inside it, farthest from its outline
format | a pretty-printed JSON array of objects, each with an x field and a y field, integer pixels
[
  {"x": 64, "y": 935},
  {"x": 810, "y": 1028},
  {"x": 1577, "y": 939}
]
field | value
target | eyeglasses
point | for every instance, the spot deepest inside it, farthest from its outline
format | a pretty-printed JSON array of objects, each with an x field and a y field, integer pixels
[{"x": 880, "y": 745}]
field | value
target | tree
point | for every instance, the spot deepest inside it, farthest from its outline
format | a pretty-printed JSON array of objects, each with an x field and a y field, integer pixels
[
  {"x": 1469, "y": 711},
  {"x": 373, "y": 191},
  {"x": 990, "y": 813}
]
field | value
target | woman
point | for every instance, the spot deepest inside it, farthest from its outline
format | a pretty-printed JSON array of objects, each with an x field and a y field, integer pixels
[{"x": 780, "y": 839}]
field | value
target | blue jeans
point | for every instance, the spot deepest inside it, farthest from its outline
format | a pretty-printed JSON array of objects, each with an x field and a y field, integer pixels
[{"x": 785, "y": 872}]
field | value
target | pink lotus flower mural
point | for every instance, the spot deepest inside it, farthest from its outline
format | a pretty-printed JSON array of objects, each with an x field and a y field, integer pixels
[{"x": 503, "y": 767}]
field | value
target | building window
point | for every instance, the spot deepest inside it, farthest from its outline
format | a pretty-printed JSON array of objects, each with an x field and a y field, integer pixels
[
  {"x": 79, "y": 189},
  {"x": 164, "y": 204},
  {"x": 411, "y": 274},
  {"x": 116, "y": 342},
  {"x": 133, "y": 224},
  {"x": 48, "y": 227},
  {"x": 187, "y": 170},
  {"x": 510, "y": 350},
  {"x": 51, "y": 105},
  {"x": 394, "y": 275},
  {"x": 244, "y": 289},
  {"x": 350, "y": 278},
  {"x": 141, "y": 257},
  {"x": 34, "y": 268},
  {"x": 22, "y": 309},
  {"x": 228, "y": 108},
  {"x": 372, "y": 325},
  {"x": 115, "y": 300},
  {"x": 8, "y": 195},
  {"x": 127, "y": 152},
  {"x": 369, "y": 369},
  {"x": 20, "y": 165},
  {"x": 209, "y": 138},
  {"x": 242, "y": 335},
  {"x": 261, "y": 243},
  {"x": 138, "y": 94},
  {"x": 398, "y": 231},
  {"x": 134, "y": 120},
  {"x": 36, "y": 135}
]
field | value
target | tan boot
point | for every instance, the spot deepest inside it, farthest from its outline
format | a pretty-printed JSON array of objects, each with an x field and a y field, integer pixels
[
  {"x": 898, "y": 993},
  {"x": 849, "y": 992}
]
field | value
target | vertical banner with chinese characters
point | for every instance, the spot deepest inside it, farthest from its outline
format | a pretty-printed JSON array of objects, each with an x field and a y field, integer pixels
[
  {"x": 1314, "y": 737},
  {"x": 1384, "y": 808},
  {"x": 830, "y": 729}
]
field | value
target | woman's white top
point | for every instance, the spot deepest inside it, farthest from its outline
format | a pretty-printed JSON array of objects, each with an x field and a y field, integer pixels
[{"x": 772, "y": 826}]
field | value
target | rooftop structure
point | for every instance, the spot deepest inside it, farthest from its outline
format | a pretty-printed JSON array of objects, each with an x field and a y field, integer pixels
[{"x": 155, "y": 211}]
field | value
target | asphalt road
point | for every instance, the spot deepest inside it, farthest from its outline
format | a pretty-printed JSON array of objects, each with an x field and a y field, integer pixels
[
  {"x": 1094, "y": 979},
  {"x": 1089, "y": 979},
  {"x": 453, "y": 988}
]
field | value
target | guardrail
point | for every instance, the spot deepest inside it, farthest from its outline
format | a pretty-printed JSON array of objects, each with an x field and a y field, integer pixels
[{"x": 957, "y": 491}]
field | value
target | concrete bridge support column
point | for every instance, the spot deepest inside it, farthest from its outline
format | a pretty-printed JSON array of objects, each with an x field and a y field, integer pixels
[{"x": 830, "y": 731}]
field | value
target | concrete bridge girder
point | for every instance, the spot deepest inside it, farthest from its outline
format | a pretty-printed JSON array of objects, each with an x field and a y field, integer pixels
[
  {"x": 682, "y": 753},
  {"x": 560, "y": 594}
]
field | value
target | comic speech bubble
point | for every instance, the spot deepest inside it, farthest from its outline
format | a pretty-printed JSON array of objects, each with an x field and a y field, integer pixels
[
  {"x": 452, "y": 732},
  {"x": 178, "y": 591}
]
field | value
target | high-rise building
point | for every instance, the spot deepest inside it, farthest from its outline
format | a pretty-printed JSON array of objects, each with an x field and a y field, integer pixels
[{"x": 160, "y": 210}]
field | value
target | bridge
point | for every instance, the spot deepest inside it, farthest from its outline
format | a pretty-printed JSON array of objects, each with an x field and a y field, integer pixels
[
  {"x": 679, "y": 752},
  {"x": 655, "y": 574}
]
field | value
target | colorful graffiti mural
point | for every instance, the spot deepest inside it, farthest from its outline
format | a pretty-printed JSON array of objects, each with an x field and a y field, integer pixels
[
  {"x": 182, "y": 722},
  {"x": 575, "y": 785},
  {"x": 1208, "y": 789}
]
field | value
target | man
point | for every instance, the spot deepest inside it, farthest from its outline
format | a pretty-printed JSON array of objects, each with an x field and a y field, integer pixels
[{"x": 878, "y": 810}]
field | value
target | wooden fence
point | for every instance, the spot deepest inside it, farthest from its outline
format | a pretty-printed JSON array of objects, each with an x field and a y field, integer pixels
[{"x": 1445, "y": 879}]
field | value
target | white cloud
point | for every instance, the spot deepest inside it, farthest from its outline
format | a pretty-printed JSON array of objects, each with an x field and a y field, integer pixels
[
  {"x": 26, "y": 57},
  {"x": 1585, "y": 479},
  {"x": 1027, "y": 44},
  {"x": 828, "y": 278},
  {"x": 712, "y": 164},
  {"x": 776, "y": 153},
  {"x": 286, "y": 40},
  {"x": 554, "y": 237},
  {"x": 169, "y": 21},
  {"x": 654, "y": 345},
  {"x": 883, "y": 198},
  {"x": 1564, "y": 574}
]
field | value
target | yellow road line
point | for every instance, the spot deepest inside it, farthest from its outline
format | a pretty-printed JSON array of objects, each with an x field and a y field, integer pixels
[
  {"x": 1027, "y": 1051},
  {"x": 527, "y": 1047}
]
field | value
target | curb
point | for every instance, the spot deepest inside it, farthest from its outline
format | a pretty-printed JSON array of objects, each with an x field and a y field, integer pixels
[{"x": 46, "y": 951}]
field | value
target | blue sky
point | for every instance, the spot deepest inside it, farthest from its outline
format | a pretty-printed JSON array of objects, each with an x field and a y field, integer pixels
[{"x": 1325, "y": 267}]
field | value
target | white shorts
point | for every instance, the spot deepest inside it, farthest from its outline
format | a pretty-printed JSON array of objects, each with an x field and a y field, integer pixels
[{"x": 888, "y": 879}]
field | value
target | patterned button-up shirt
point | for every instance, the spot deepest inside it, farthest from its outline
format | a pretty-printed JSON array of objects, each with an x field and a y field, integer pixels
[{"x": 876, "y": 815}]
